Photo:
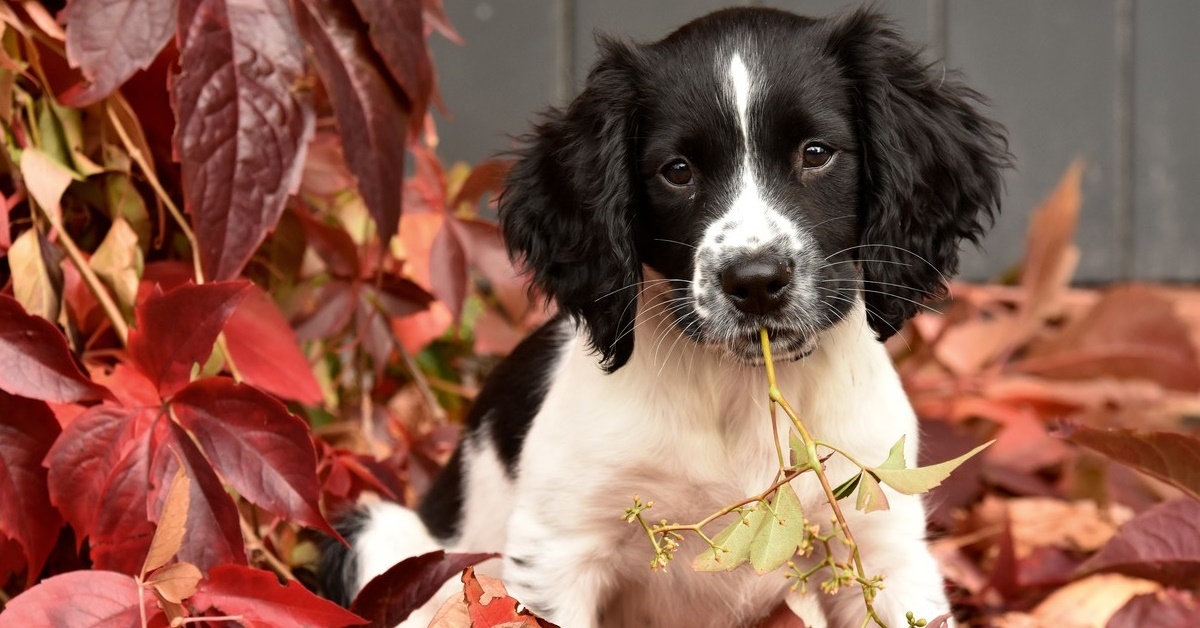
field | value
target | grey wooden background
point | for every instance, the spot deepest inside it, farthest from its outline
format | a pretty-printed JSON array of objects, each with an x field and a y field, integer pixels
[{"x": 1114, "y": 81}]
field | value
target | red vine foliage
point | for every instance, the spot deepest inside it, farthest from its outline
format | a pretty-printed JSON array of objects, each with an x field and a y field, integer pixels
[{"x": 212, "y": 333}]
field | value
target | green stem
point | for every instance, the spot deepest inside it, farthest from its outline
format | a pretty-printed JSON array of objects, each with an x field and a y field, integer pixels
[{"x": 811, "y": 447}]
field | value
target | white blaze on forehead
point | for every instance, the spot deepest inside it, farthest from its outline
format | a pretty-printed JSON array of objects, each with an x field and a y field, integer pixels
[{"x": 740, "y": 76}]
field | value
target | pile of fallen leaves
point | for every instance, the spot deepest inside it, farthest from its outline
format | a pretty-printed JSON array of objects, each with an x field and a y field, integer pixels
[{"x": 1084, "y": 512}]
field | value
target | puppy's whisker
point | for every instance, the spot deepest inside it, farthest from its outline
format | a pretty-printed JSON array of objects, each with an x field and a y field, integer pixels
[
  {"x": 889, "y": 294},
  {"x": 644, "y": 284},
  {"x": 649, "y": 314},
  {"x": 884, "y": 283},
  {"x": 898, "y": 248},
  {"x": 690, "y": 246}
]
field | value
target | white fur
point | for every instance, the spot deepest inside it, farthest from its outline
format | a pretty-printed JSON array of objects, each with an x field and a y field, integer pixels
[{"x": 692, "y": 438}]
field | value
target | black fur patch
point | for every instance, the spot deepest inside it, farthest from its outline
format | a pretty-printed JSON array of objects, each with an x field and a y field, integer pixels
[
  {"x": 503, "y": 412},
  {"x": 339, "y": 564}
]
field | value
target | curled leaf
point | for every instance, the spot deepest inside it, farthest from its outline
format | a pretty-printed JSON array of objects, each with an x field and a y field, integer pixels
[
  {"x": 870, "y": 495},
  {"x": 172, "y": 524},
  {"x": 779, "y": 533},
  {"x": 734, "y": 542},
  {"x": 917, "y": 480}
]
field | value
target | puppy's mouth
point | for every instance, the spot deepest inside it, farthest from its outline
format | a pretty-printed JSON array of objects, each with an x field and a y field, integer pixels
[{"x": 786, "y": 346}]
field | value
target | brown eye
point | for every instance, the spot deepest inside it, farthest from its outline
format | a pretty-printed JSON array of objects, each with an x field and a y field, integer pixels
[
  {"x": 816, "y": 155},
  {"x": 677, "y": 173}
]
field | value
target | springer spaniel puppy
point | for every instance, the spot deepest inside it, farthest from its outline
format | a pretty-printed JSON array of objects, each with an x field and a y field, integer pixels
[{"x": 754, "y": 168}]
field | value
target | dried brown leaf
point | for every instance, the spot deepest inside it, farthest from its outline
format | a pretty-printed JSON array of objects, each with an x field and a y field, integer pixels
[
  {"x": 172, "y": 524},
  {"x": 177, "y": 582}
]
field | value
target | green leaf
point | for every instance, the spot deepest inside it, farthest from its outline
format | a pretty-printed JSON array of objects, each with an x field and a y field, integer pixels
[
  {"x": 918, "y": 479},
  {"x": 845, "y": 489},
  {"x": 870, "y": 494},
  {"x": 895, "y": 459},
  {"x": 735, "y": 538},
  {"x": 799, "y": 451},
  {"x": 777, "y": 537}
]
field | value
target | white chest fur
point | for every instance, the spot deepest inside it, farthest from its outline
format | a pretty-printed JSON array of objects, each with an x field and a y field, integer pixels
[{"x": 692, "y": 436}]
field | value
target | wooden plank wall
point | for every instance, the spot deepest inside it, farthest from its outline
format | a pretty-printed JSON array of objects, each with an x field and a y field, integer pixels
[{"x": 1113, "y": 81}]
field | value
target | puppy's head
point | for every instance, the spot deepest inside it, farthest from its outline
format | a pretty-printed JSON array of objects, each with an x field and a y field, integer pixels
[{"x": 765, "y": 169}]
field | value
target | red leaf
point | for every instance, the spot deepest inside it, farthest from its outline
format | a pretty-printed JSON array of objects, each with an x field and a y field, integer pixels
[
  {"x": 35, "y": 361},
  {"x": 260, "y": 449},
  {"x": 1167, "y": 456},
  {"x": 82, "y": 599},
  {"x": 435, "y": 16},
  {"x": 1160, "y": 544},
  {"x": 393, "y": 595},
  {"x": 486, "y": 177},
  {"x": 397, "y": 32},
  {"x": 123, "y": 529},
  {"x": 177, "y": 329},
  {"x": 84, "y": 456},
  {"x": 1134, "y": 332},
  {"x": 328, "y": 310},
  {"x": 110, "y": 40},
  {"x": 264, "y": 348},
  {"x": 370, "y": 113},
  {"x": 214, "y": 536},
  {"x": 243, "y": 124},
  {"x": 1166, "y": 608},
  {"x": 26, "y": 516},
  {"x": 497, "y": 611},
  {"x": 259, "y": 598},
  {"x": 332, "y": 244},
  {"x": 448, "y": 270}
]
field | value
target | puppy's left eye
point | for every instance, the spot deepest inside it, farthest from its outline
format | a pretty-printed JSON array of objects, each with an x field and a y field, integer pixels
[
  {"x": 678, "y": 173},
  {"x": 816, "y": 156}
]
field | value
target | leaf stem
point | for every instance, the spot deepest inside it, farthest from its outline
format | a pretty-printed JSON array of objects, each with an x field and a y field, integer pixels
[
  {"x": 89, "y": 277},
  {"x": 254, "y": 544},
  {"x": 135, "y": 153},
  {"x": 811, "y": 445}
]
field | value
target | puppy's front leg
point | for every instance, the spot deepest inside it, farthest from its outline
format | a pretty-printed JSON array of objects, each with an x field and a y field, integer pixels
[
  {"x": 556, "y": 568},
  {"x": 892, "y": 544}
]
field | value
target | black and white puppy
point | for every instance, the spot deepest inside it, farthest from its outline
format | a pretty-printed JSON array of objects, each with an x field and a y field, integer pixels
[{"x": 755, "y": 168}]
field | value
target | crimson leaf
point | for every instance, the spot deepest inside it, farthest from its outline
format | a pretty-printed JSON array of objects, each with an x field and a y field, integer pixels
[
  {"x": 243, "y": 124},
  {"x": 109, "y": 40},
  {"x": 26, "y": 516},
  {"x": 83, "y": 599},
  {"x": 393, "y": 595},
  {"x": 398, "y": 35},
  {"x": 370, "y": 113},
  {"x": 260, "y": 449},
  {"x": 122, "y": 532},
  {"x": 1161, "y": 544},
  {"x": 214, "y": 536},
  {"x": 264, "y": 348},
  {"x": 35, "y": 361},
  {"x": 261, "y": 601},
  {"x": 1168, "y": 456},
  {"x": 177, "y": 329},
  {"x": 448, "y": 269},
  {"x": 84, "y": 456}
]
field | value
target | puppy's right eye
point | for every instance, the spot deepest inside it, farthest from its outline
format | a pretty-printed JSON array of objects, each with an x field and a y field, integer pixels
[{"x": 678, "y": 173}]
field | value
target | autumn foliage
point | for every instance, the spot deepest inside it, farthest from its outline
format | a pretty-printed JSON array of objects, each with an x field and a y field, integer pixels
[{"x": 240, "y": 291}]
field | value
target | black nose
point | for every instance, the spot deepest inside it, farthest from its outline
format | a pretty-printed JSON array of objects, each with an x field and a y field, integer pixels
[{"x": 757, "y": 283}]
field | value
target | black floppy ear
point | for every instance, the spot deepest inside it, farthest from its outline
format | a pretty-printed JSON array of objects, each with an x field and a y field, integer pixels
[
  {"x": 932, "y": 164},
  {"x": 568, "y": 208}
]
